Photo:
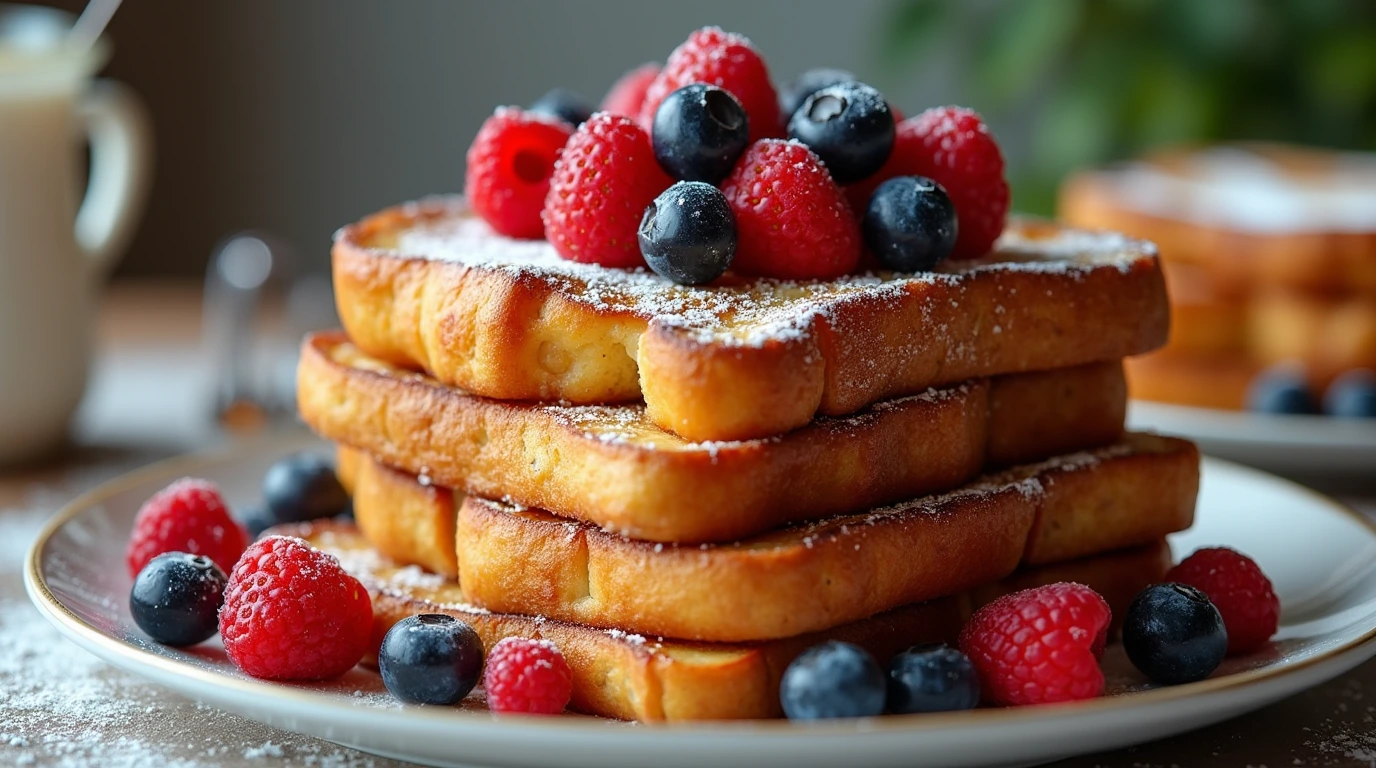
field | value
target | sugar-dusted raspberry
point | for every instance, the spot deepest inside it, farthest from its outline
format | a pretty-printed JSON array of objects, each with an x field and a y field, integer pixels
[
  {"x": 509, "y": 166},
  {"x": 603, "y": 181},
  {"x": 953, "y": 147},
  {"x": 525, "y": 675},
  {"x": 628, "y": 93},
  {"x": 792, "y": 221},
  {"x": 186, "y": 516},
  {"x": 726, "y": 60},
  {"x": 1239, "y": 590},
  {"x": 1040, "y": 645},
  {"x": 292, "y": 613}
]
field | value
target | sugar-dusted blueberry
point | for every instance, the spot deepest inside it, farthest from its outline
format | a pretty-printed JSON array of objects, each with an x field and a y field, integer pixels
[
  {"x": 831, "y": 680},
  {"x": 932, "y": 678},
  {"x": 793, "y": 95},
  {"x": 563, "y": 104},
  {"x": 1352, "y": 395},
  {"x": 1173, "y": 634},
  {"x": 176, "y": 598},
  {"x": 699, "y": 132},
  {"x": 688, "y": 234},
  {"x": 910, "y": 224},
  {"x": 849, "y": 125},
  {"x": 303, "y": 487},
  {"x": 1282, "y": 389},
  {"x": 430, "y": 658}
]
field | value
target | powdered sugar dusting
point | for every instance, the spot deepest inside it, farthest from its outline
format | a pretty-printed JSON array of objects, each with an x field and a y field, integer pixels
[{"x": 748, "y": 312}]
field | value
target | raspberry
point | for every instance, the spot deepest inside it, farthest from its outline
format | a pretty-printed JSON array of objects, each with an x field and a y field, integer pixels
[
  {"x": 726, "y": 60},
  {"x": 186, "y": 516},
  {"x": 603, "y": 181},
  {"x": 1238, "y": 589},
  {"x": 525, "y": 675},
  {"x": 292, "y": 613},
  {"x": 953, "y": 147},
  {"x": 792, "y": 221},
  {"x": 1040, "y": 645},
  {"x": 509, "y": 166},
  {"x": 628, "y": 93}
]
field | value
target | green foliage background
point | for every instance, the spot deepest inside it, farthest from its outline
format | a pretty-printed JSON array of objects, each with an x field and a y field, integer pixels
[{"x": 1090, "y": 81}]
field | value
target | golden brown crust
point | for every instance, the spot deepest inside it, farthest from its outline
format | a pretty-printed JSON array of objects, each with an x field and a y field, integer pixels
[
  {"x": 1325, "y": 262},
  {"x": 612, "y": 468},
  {"x": 616, "y": 674},
  {"x": 708, "y": 374},
  {"x": 811, "y": 577}
]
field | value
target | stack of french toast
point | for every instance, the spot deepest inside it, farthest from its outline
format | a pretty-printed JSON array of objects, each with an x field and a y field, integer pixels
[
  {"x": 1271, "y": 258},
  {"x": 685, "y": 487}
]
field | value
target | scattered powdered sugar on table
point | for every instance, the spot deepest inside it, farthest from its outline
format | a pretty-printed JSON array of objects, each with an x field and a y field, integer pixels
[{"x": 62, "y": 707}]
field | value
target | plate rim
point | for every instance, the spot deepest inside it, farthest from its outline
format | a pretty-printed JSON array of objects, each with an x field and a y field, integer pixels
[{"x": 80, "y": 631}]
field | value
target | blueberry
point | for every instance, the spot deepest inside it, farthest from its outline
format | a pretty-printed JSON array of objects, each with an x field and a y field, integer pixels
[
  {"x": 1352, "y": 396},
  {"x": 849, "y": 126},
  {"x": 688, "y": 234},
  {"x": 699, "y": 132},
  {"x": 932, "y": 678},
  {"x": 1173, "y": 634},
  {"x": 563, "y": 104},
  {"x": 176, "y": 598},
  {"x": 795, "y": 93},
  {"x": 1282, "y": 389},
  {"x": 303, "y": 487},
  {"x": 431, "y": 658},
  {"x": 910, "y": 224},
  {"x": 833, "y": 679}
]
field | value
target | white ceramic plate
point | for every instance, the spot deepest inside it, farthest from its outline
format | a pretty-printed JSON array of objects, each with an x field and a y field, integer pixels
[
  {"x": 1321, "y": 556},
  {"x": 1286, "y": 444}
]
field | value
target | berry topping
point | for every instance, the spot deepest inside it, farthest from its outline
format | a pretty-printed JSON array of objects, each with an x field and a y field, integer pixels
[
  {"x": 292, "y": 613},
  {"x": 176, "y": 598},
  {"x": 932, "y": 678},
  {"x": 186, "y": 516},
  {"x": 603, "y": 182},
  {"x": 563, "y": 104},
  {"x": 1281, "y": 390},
  {"x": 525, "y": 675},
  {"x": 1173, "y": 634},
  {"x": 1039, "y": 646},
  {"x": 628, "y": 93},
  {"x": 1238, "y": 589},
  {"x": 689, "y": 234},
  {"x": 849, "y": 126},
  {"x": 1352, "y": 396},
  {"x": 699, "y": 132},
  {"x": 722, "y": 59},
  {"x": 303, "y": 487},
  {"x": 909, "y": 224},
  {"x": 509, "y": 165},
  {"x": 954, "y": 148},
  {"x": 795, "y": 93},
  {"x": 430, "y": 659},
  {"x": 832, "y": 680},
  {"x": 792, "y": 221}
]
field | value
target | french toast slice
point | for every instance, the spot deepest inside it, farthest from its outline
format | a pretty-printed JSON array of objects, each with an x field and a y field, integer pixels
[
  {"x": 1249, "y": 215},
  {"x": 611, "y": 466},
  {"x": 791, "y": 581},
  {"x": 428, "y": 285},
  {"x": 631, "y": 677}
]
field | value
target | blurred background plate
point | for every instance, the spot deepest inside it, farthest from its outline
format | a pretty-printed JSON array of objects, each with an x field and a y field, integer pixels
[{"x": 1289, "y": 445}]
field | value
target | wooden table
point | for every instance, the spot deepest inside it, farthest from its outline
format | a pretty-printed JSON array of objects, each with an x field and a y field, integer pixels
[{"x": 61, "y": 707}]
